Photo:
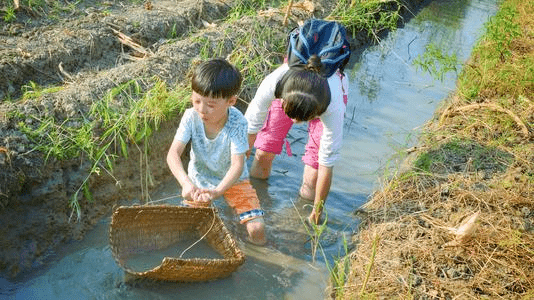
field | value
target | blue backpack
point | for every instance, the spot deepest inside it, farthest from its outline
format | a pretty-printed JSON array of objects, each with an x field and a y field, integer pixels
[{"x": 326, "y": 39}]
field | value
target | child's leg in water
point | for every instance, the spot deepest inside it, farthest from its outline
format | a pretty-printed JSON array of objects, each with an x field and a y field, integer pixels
[
  {"x": 309, "y": 182},
  {"x": 256, "y": 231},
  {"x": 270, "y": 140},
  {"x": 262, "y": 164},
  {"x": 243, "y": 199}
]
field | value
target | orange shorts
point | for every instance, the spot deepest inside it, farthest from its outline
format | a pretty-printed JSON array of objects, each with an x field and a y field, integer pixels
[{"x": 243, "y": 199}]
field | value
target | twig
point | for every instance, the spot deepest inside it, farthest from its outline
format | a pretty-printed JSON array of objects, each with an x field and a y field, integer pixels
[
  {"x": 288, "y": 11},
  {"x": 524, "y": 128},
  {"x": 126, "y": 40},
  {"x": 212, "y": 223},
  {"x": 60, "y": 67}
]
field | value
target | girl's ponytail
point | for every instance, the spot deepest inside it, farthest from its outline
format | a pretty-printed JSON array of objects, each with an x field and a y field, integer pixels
[{"x": 314, "y": 64}]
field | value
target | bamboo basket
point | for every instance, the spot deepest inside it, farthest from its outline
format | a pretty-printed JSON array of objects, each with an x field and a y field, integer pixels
[{"x": 146, "y": 228}]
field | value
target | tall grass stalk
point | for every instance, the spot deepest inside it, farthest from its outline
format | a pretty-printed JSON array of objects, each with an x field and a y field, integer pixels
[
  {"x": 370, "y": 265},
  {"x": 339, "y": 269}
]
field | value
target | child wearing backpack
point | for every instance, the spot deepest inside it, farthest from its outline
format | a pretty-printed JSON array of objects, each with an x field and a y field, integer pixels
[
  {"x": 313, "y": 90},
  {"x": 218, "y": 134}
]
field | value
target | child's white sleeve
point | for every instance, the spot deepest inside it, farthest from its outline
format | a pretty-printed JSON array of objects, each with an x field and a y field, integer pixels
[
  {"x": 259, "y": 106},
  {"x": 184, "y": 131},
  {"x": 238, "y": 136},
  {"x": 333, "y": 118}
]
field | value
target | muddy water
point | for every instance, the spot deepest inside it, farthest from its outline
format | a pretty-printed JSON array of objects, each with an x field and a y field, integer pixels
[{"x": 389, "y": 101}]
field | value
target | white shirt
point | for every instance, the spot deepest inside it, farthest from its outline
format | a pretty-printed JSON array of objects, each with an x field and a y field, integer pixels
[
  {"x": 211, "y": 158},
  {"x": 332, "y": 118}
]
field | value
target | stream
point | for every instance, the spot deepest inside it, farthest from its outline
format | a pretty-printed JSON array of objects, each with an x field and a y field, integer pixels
[{"x": 389, "y": 101}]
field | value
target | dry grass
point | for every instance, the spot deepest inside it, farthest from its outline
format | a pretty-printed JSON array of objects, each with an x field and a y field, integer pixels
[
  {"x": 417, "y": 214},
  {"x": 419, "y": 256}
]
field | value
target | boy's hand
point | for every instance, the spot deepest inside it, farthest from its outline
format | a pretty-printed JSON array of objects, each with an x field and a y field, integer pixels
[
  {"x": 201, "y": 198},
  {"x": 204, "y": 195},
  {"x": 188, "y": 191},
  {"x": 193, "y": 203}
]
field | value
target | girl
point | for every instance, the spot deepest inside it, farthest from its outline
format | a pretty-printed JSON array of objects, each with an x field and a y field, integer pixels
[{"x": 294, "y": 94}]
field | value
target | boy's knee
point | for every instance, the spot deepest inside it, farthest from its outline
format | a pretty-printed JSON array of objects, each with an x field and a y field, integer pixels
[{"x": 256, "y": 231}]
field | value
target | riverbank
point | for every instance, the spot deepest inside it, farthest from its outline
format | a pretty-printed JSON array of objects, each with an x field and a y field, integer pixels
[{"x": 457, "y": 221}]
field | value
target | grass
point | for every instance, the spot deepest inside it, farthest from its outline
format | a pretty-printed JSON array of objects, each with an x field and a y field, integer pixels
[
  {"x": 51, "y": 9},
  {"x": 9, "y": 15},
  {"x": 502, "y": 64},
  {"x": 371, "y": 16},
  {"x": 33, "y": 90},
  {"x": 456, "y": 155},
  {"x": 127, "y": 116},
  {"x": 436, "y": 63},
  {"x": 339, "y": 269}
]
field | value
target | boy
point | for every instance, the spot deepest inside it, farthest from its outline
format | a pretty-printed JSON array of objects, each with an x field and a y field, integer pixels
[{"x": 218, "y": 134}]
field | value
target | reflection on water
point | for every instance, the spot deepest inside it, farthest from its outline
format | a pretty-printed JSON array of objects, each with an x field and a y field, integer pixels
[{"x": 388, "y": 101}]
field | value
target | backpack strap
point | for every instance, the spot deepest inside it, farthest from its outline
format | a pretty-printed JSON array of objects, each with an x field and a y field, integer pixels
[{"x": 345, "y": 96}]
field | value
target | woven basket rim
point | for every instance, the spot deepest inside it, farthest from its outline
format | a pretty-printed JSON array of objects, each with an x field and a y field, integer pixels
[{"x": 176, "y": 268}]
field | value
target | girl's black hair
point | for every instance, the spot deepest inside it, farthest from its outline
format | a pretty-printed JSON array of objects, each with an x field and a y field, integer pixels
[
  {"x": 304, "y": 90},
  {"x": 216, "y": 78}
]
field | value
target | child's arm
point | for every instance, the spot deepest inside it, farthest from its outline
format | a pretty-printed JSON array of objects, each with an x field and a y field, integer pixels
[
  {"x": 177, "y": 168},
  {"x": 233, "y": 174},
  {"x": 251, "y": 140},
  {"x": 258, "y": 107},
  {"x": 322, "y": 189}
]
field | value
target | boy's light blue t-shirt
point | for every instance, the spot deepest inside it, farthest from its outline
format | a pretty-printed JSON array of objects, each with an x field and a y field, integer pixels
[{"x": 211, "y": 159}]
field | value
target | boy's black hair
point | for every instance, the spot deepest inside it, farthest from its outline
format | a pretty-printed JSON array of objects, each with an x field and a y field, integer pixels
[
  {"x": 216, "y": 78},
  {"x": 305, "y": 92}
]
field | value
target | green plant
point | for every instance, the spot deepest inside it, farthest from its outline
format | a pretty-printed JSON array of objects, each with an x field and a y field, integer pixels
[
  {"x": 503, "y": 28},
  {"x": 173, "y": 33},
  {"x": 33, "y": 90},
  {"x": 35, "y": 4},
  {"x": 204, "y": 46},
  {"x": 339, "y": 269},
  {"x": 447, "y": 157},
  {"x": 371, "y": 16},
  {"x": 501, "y": 65},
  {"x": 243, "y": 8},
  {"x": 435, "y": 62},
  {"x": 10, "y": 15},
  {"x": 370, "y": 265}
]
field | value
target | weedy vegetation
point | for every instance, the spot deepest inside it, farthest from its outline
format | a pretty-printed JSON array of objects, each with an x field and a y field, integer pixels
[
  {"x": 459, "y": 223},
  {"x": 127, "y": 116},
  {"x": 371, "y": 16}
]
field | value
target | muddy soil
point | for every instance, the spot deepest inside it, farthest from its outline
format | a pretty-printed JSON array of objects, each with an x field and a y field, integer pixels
[{"x": 82, "y": 50}]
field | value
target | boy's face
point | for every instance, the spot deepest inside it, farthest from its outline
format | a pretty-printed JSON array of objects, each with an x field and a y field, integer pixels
[{"x": 212, "y": 110}]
